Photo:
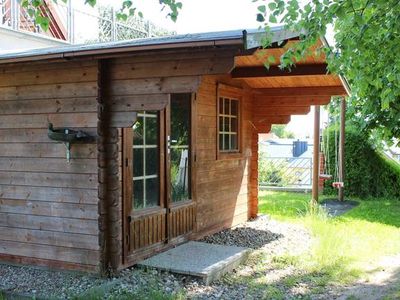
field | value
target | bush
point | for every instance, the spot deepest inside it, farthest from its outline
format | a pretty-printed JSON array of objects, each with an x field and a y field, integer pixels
[{"x": 368, "y": 173}]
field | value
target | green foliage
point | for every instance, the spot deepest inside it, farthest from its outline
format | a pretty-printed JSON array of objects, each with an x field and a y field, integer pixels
[
  {"x": 274, "y": 173},
  {"x": 33, "y": 7},
  {"x": 368, "y": 173},
  {"x": 280, "y": 131}
]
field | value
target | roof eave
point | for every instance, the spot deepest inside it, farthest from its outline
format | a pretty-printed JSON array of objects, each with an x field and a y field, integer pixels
[{"x": 67, "y": 55}]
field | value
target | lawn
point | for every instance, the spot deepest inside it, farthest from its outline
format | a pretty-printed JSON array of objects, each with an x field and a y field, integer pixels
[{"x": 345, "y": 247}]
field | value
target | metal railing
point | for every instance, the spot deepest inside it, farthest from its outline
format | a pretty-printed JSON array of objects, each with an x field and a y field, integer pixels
[
  {"x": 77, "y": 26},
  {"x": 292, "y": 172}
]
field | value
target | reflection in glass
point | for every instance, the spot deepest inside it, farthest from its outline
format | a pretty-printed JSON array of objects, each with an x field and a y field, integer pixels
[
  {"x": 180, "y": 147},
  {"x": 146, "y": 190}
]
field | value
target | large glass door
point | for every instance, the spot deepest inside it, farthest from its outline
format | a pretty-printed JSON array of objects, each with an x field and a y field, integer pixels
[
  {"x": 157, "y": 178},
  {"x": 181, "y": 217}
]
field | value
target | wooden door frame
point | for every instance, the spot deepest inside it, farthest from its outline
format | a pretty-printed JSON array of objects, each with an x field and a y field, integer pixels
[
  {"x": 165, "y": 189},
  {"x": 127, "y": 185}
]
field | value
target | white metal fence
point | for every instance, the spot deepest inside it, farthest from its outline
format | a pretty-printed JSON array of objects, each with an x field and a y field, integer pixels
[
  {"x": 283, "y": 172},
  {"x": 78, "y": 26}
]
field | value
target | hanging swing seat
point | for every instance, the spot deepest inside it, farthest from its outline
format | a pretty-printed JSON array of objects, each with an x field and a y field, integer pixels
[
  {"x": 338, "y": 184},
  {"x": 325, "y": 176}
]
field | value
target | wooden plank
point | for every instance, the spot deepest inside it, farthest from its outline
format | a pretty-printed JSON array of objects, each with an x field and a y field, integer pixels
[
  {"x": 62, "y": 239},
  {"x": 29, "y": 135},
  {"x": 39, "y": 77},
  {"x": 292, "y": 101},
  {"x": 39, "y": 208},
  {"x": 56, "y": 165},
  {"x": 263, "y": 111},
  {"x": 173, "y": 67},
  {"x": 72, "y": 120},
  {"x": 50, "y": 194},
  {"x": 66, "y": 225},
  {"x": 47, "y": 263},
  {"x": 273, "y": 71},
  {"x": 271, "y": 120},
  {"x": 142, "y": 233},
  {"x": 47, "y": 65},
  {"x": 50, "y": 91},
  {"x": 84, "y": 256},
  {"x": 53, "y": 150},
  {"x": 88, "y": 181},
  {"x": 302, "y": 91},
  {"x": 187, "y": 84},
  {"x": 68, "y": 105},
  {"x": 138, "y": 103}
]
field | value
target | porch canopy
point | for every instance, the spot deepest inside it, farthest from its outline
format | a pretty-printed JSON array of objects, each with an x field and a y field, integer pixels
[{"x": 280, "y": 93}]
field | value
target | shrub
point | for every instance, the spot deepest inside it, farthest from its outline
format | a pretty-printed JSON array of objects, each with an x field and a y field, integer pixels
[{"x": 368, "y": 172}]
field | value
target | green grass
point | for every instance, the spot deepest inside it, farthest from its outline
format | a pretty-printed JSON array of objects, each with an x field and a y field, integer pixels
[{"x": 346, "y": 245}]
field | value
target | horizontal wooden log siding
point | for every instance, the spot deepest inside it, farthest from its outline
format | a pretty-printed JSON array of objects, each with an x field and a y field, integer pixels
[
  {"x": 222, "y": 183},
  {"x": 144, "y": 82},
  {"x": 48, "y": 207}
]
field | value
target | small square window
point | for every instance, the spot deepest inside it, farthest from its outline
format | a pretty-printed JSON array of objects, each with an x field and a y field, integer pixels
[{"x": 228, "y": 124}]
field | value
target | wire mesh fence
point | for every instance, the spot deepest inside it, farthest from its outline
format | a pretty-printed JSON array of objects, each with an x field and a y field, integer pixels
[
  {"x": 78, "y": 26},
  {"x": 292, "y": 172}
]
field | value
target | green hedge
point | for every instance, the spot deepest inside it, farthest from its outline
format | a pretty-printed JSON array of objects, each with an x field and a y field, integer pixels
[{"x": 368, "y": 173}]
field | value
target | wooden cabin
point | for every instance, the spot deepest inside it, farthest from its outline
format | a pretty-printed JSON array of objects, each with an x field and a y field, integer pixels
[{"x": 172, "y": 155}]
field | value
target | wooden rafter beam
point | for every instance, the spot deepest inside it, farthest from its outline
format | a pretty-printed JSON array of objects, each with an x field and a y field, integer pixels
[
  {"x": 291, "y": 101},
  {"x": 302, "y": 91},
  {"x": 275, "y": 71},
  {"x": 271, "y": 120},
  {"x": 280, "y": 110}
]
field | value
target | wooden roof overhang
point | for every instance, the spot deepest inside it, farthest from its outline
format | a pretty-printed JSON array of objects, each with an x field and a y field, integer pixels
[{"x": 279, "y": 94}]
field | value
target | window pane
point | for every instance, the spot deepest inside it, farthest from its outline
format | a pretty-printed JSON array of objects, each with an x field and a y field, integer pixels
[
  {"x": 151, "y": 131},
  {"x": 226, "y": 107},
  {"x": 180, "y": 147},
  {"x": 226, "y": 141},
  {"x": 137, "y": 162},
  {"x": 151, "y": 161},
  {"x": 221, "y": 141},
  {"x": 226, "y": 124},
  {"x": 138, "y": 202},
  {"x": 152, "y": 192},
  {"x": 221, "y": 123},
  {"x": 234, "y": 127},
  {"x": 180, "y": 174},
  {"x": 234, "y": 107},
  {"x": 234, "y": 145},
  {"x": 138, "y": 131},
  {"x": 221, "y": 105}
]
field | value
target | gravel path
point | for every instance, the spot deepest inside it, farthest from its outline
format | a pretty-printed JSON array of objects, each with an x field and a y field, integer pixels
[{"x": 268, "y": 236}]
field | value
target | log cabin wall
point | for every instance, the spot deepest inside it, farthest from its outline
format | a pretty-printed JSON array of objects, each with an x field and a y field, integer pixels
[
  {"x": 144, "y": 82},
  {"x": 222, "y": 183},
  {"x": 48, "y": 207}
]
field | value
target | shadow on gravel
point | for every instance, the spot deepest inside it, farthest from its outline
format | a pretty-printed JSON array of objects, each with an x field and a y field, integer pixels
[{"x": 247, "y": 237}]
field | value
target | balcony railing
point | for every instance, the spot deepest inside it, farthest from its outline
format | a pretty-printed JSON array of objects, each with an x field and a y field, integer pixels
[{"x": 77, "y": 26}]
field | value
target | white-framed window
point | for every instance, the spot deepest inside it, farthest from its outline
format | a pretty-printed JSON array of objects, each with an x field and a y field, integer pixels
[{"x": 228, "y": 124}]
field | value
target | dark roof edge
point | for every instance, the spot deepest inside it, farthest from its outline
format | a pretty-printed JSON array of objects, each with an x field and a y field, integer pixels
[
  {"x": 247, "y": 40},
  {"x": 228, "y": 38}
]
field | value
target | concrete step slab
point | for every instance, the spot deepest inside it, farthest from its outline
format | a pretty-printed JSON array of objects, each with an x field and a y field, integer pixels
[{"x": 206, "y": 261}]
